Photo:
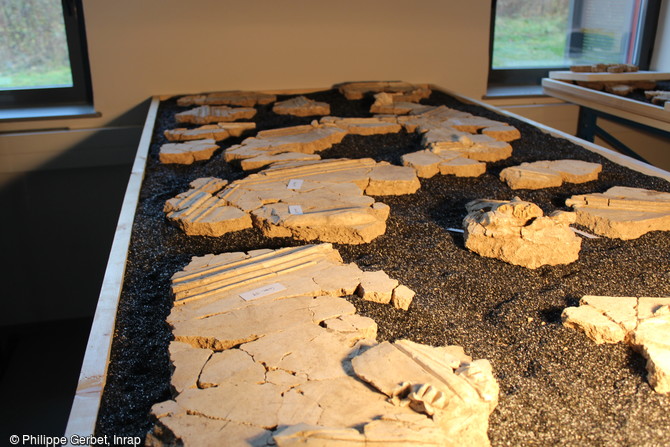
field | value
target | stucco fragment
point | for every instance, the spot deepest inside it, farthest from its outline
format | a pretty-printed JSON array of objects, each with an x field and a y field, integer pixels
[
  {"x": 214, "y": 114},
  {"x": 278, "y": 357},
  {"x": 301, "y": 106},
  {"x": 229, "y": 97},
  {"x": 216, "y": 132},
  {"x": 310, "y": 200},
  {"x": 187, "y": 153},
  {"x": 411, "y": 92},
  {"x": 546, "y": 174},
  {"x": 623, "y": 212},
  {"x": 643, "y": 323},
  {"x": 519, "y": 233}
]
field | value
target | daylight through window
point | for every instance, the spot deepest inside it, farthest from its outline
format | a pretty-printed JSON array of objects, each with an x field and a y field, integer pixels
[
  {"x": 554, "y": 34},
  {"x": 34, "y": 50}
]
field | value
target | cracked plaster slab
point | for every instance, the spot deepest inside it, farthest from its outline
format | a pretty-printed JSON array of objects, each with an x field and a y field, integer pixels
[
  {"x": 189, "y": 429},
  {"x": 472, "y": 136},
  {"x": 458, "y": 393},
  {"x": 517, "y": 232},
  {"x": 502, "y": 132},
  {"x": 547, "y": 174},
  {"x": 310, "y": 200},
  {"x": 377, "y": 286},
  {"x": 363, "y": 126},
  {"x": 187, "y": 153},
  {"x": 252, "y": 322},
  {"x": 394, "y": 104},
  {"x": 263, "y": 160},
  {"x": 232, "y": 365},
  {"x": 453, "y": 142},
  {"x": 301, "y": 106},
  {"x": 214, "y": 114},
  {"x": 214, "y": 284},
  {"x": 305, "y": 139},
  {"x": 411, "y": 92},
  {"x": 198, "y": 212},
  {"x": 623, "y": 212},
  {"x": 187, "y": 363},
  {"x": 427, "y": 163},
  {"x": 312, "y": 351},
  {"x": 230, "y": 98},
  {"x": 216, "y": 132},
  {"x": 397, "y": 430},
  {"x": 452, "y": 136},
  {"x": 643, "y": 323},
  {"x": 297, "y": 373}
]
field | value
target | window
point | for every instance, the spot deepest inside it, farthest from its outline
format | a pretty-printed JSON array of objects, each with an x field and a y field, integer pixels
[
  {"x": 43, "y": 59},
  {"x": 531, "y": 37}
]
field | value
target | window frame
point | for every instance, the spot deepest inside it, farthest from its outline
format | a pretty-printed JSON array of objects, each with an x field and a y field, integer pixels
[
  {"x": 80, "y": 95},
  {"x": 509, "y": 77}
]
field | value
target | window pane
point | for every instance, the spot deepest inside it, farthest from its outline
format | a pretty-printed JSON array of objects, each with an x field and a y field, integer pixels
[
  {"x": 604, "y": 31},
  {"x": 33, "y": 45},
  {"x": 530, "y": 33},
  {"x": 559, "y": 33}
]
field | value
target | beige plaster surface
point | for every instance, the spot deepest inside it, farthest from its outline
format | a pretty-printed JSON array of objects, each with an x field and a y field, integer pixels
[
  {"x": 410, "y": 92},
  {"x": 198, "y": 212},
  {"x": 265, "y": 348},
  {"x": 519, "y": 233},
  {"x": 547, "y": 174},
  {"x": 188, "y": 152},
  {"x": 306, "y": 139},
  {"x": 301, "y": 106},
  {"x": 214, "y": 114},
  {"x": 326, "y": 200},
  {"x": 643, "y": 323},
  {"x": 363, "y": 126},
  {"x": 229, "y": 98},
  {"x": 217, "y": 132},
  {"x": 623, "y": 212}
]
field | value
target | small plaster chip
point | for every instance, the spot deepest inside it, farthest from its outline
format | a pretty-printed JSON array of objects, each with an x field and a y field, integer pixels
[{"x": 301, "y": 106}]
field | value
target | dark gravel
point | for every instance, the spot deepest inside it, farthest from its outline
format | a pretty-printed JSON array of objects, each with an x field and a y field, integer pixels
[{"x": 556, "y": 386}]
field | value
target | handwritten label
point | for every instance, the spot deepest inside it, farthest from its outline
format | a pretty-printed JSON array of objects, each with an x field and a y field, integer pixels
[
  {"x": 295, "y": 183},
  {"x": 295, "y": 209},
  {"x": 262, "y": 291}
]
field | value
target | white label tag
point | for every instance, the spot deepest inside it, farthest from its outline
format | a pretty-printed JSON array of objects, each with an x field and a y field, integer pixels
[
  {"x": 295, "y": 209},
  {"x": 585, "y": 234},
  {"x": 262, "y": 291},
  {"x": 295, "y": 183}
]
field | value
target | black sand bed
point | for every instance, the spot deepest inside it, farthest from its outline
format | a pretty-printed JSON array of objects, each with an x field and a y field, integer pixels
[{"x": 556, "y": 386}]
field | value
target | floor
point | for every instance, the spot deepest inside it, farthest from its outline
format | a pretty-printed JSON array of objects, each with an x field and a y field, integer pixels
[
  {"x": 44, "y": 405},
  {"x": 54, "y": 247}
]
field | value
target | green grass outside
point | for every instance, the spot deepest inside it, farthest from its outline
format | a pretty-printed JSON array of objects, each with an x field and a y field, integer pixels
[
  {"x": 36, "y": 78},
  {"x": 527, "y": 42}
]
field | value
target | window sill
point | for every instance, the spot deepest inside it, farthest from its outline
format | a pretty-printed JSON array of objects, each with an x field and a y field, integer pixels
[
  {"x": 513, "y": 91},
  {"x": 43, "y": 113}
]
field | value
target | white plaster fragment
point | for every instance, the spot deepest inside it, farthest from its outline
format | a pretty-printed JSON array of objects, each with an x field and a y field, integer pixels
[
  {"x": 623, "y": 212},
  {"x": 643, "y": 323}
]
